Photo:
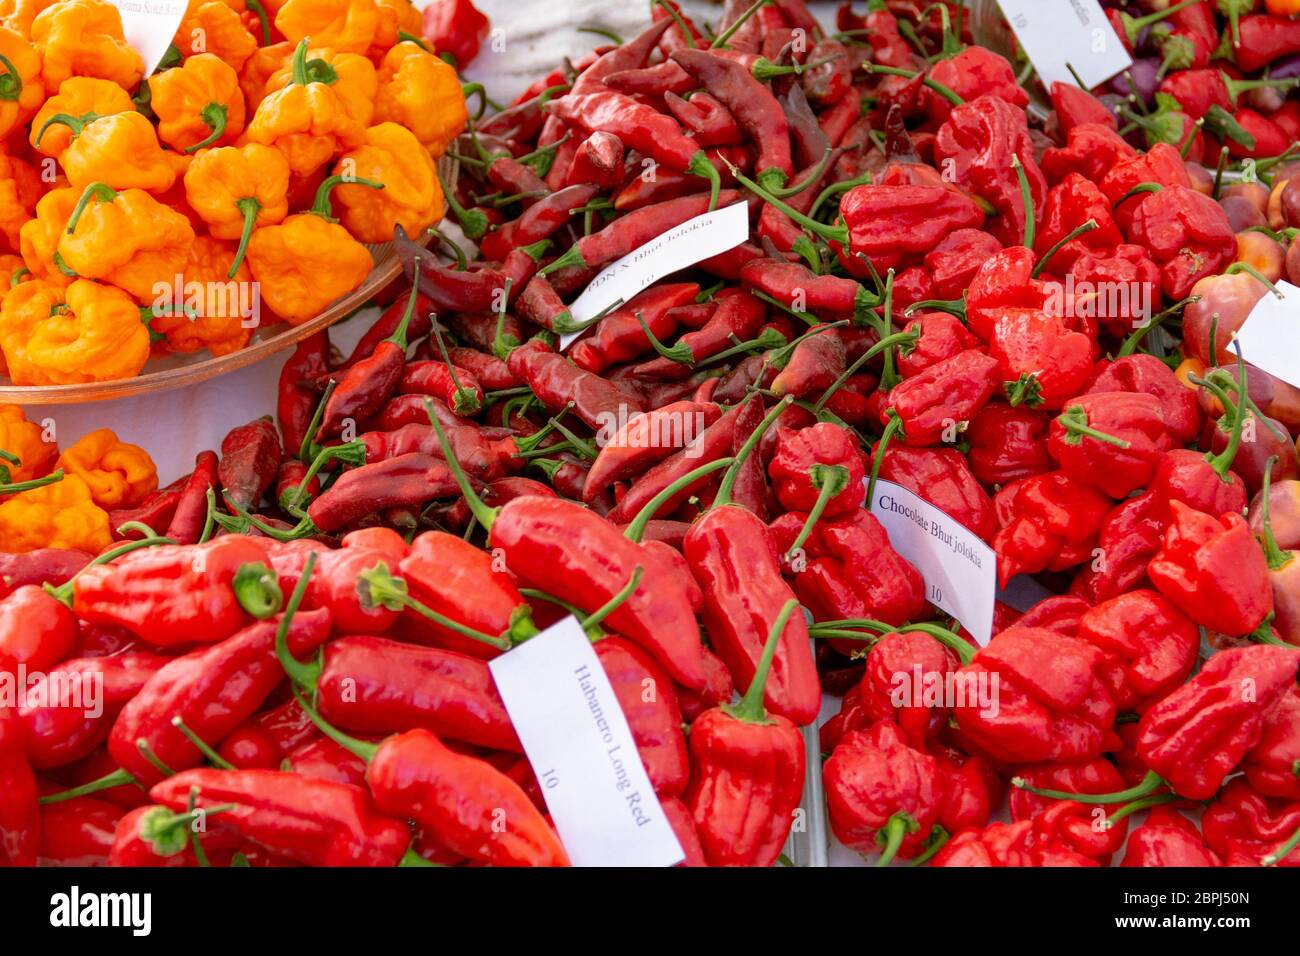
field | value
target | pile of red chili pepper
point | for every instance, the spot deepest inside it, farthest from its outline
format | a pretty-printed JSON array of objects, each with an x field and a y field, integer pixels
[{"x": 1031, "y": 328}]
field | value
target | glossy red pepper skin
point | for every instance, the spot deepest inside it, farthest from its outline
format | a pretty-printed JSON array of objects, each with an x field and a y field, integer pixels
[
  {"x": 1151, "y": 645},
  {"x": 1007, "y": 844},
  {"x": 250, "y": 459},
  {"x": 323, "y": 759},
  {"x": 213, "y": 690},
  {"x": 456, "y": 386},
  {"x": 814, "y": 365},
  {"x": 313, "y": 822},
  {"x": 890, "y": 223},
  {"x": 1074, "y": 825},
  {"x": 1270, "y": 765},
  {"x": 1199, "y": 734},
  {"x": 1008, "y": 444},
  {"x": 934, "y": 402},
  {"x": 1188, "y": 235},
  {"x": 732, "y": 557},
  {"x": 297, "y": 396},
  {"x": 1053, "y": 700},
  {"x": 1167, "y": 838},
  {"x": 1147, "y": 374},
  {"x": 1265, "y": 38},
  {"x": 873, "y": 775},
  {"x": 1070, "y": 204},
  {"x": 20, "y": 818},
  {"x": 1091, "y": 149},
  {"x": 798, "y": 452},
  {"x": 58, "y": 733},
  {"x": 972, "y": 790},
  {"x": 373, "y": 685},
  {"x": 78, "y": 833},
  {"x": 1075, "y": 107},
  {"x": 1049, "y": 522},
  {"x": 942, "y": 477},
  {"x": 1037, "y": 346},
  {"x": 942, "y": 336},
  {"x": 170, "y": 595},
  {"x": 249, "y": 747},
  {"x": 405, "y": 481},
  {"x": 537, "y": 537},
  {"x": 1243, "y": 826},
  {"x": 1133, "y": 417},
  {"x": 42, "y": 566},
  {"x": 465, "y": 803},
  {"x": 647, "y": 440},
  {"x": 619, "y": 337},
  {"x": 36, "y": 630},
  {"x": 484, "y": 458},
  {"x": 649, "y": 702},
  {"x": 191, "y": 511},
  {"x": 974, "y": 73},
  {"x": 556, "y": 381},
  {"x": 456, "y": 27},
  {"x": 1213, "y": 570}
]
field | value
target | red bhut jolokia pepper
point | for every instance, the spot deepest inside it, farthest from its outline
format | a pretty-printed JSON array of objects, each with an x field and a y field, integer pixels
[
  {"x": 1091, "y": 149},
  {"x": 1072, "y": 824},
  {"x": 818, "y": 470},
  {"x": 20, "y": 817},
  {"x": 456, "y": 28},
  {"x": 1271, "y": 766},
  {"x": 882, "y": 794},
  {"x": 78, "y": 833},
  {"x": 1043, "y": 361},
  {"x": 37, "y": 630},
  {"x": 174, "y": 595},
  {"x": 932, "y": 404},
  {"x": 1247, "y": 828},
  {"x": 1008, "y": 443},
  {"x": 1151, "y": 645},
  {"x": 313, "y": 822},
  {"x": 250, "y": 459},
  {"x": 1213, "y": 570},
  {"x": 1049, "y": 522},
  {"x": 942, "y": 477},
  {"x": 1076, "y": 219},
  {"x": 1161, "y": 165},
  {"x": 748, "y": 771},
  {"x": 1167, "y": 838},
  {"x": 1147, "y": 374},
  {"x": 1112, "y": 441},
  {"x": 1188, "y": 235},
  {"x": 1053, "y": 703},
  {"x": 1075, "y": 106},
  {"x": 1005, "y": 845},
  {"x": 649, "y": 702}
]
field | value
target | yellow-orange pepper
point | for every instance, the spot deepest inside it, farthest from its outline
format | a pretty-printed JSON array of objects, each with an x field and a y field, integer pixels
[
  {"x": 259, "y": 68},
  {"x": 126, "y": 238},
  {"x": 39, "y": 238},
  {"x": 13, "y": 270},
  {"x": 423, "y": 93},
  {"x": 21, "y": 89},
  {"x": 411, "y": 197},
  {"x": 198, "y": 104},
  {"x": 235, "y": 189},
  {"x": 398, "y": 20},
  {"x": 121, "y": 150},
  {"x": 23, "y": 307},
  {"x": 210, "y": 26},
  {"x": 25, "y": 441},
  {"x": 60, "y": 515},
  {"x": 323, "y": 109},
  {"x": 18, "y": 15},
  {"x": 308, "y": 261},
  {"x": 84, "y": 38},
  {"x": 97, "y": 335},
  {"x": 82, "y": 97},
  {"x": 214, "y": 310},
  {"x": 118, "y": 475},
  {"x": 348, "y": 26},
  {"x": 19, "y": 191}
]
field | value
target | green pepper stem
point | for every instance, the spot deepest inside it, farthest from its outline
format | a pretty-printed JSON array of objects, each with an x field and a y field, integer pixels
[
  {"x": 888, "y": 342},
  {"x": 750, "y": 709},
  {"x": 1223, "y": 461},
  {"x": 636, "y": 530},
  {"x": 202, "y": 746},
  {"x": 378, "y": 588},
  {"x": 1255, "y": 274},
  {"x": 215, "y": 115},
  {"x": 351, "y": 453},
  {"x": 1283, "y": 851},
  {"x": 836, "y": 188},
  {"x": 829, "y": 480},
  {"x": 838, "y": 234},
  {"x": 473, "y": 223},
  {"x": 939, "y": 838},
  {"x": 486, "y": 516},
  {"x": 1087, "y": 227},
  {"x": 1137, "y": 806},
  {"x": 729, "y": 479},
  {"x": 1027, "y": 199},
  {"x": 720, "y": 41},
  {"x": 1277, "y": 558},
  {"x": 613, "y": 604},
  {"x": 814, "y": 176},
  {"x": 16, "y": 487},
  {"x": 890, "y": 838},
  {"x": 101, "y": 191},
  {"x": 949, "y": 639},
  {"x": 64, "y": 591},
  {"x": 701, "y": 166},
  {"x": 257, "y": 589},
  {"x": 249, "y": 207},
  {"x": 399, "y": 336},
  {"x": 1149, "y": 785},
  {"x": 895, "y": 427},
  {"x": 680, "y": 353},
  {"x": 300, "y": 674},
  {"x": 118, "y": 778},
  {"x": 74, "y": 123},
  {"x": 366, "y": 751},
  {"x": 939, "y": 88},
  {"x": 1075, "y": 422},
  {"x": 323, "y": 207},
  {"x": 1132, "y": 343},
  {"x": 11, "y": 84}
]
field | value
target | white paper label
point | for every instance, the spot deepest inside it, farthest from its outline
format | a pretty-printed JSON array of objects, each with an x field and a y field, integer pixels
[
  {"x": 960, "y": 570},
  {"x": 694, "y": 241},
  {"x": 1270, "y": 337},
  {"x": 578, "y": 742},
  {"x": 1057, "y": 32},
  {"x": 149, "y": 26}
]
